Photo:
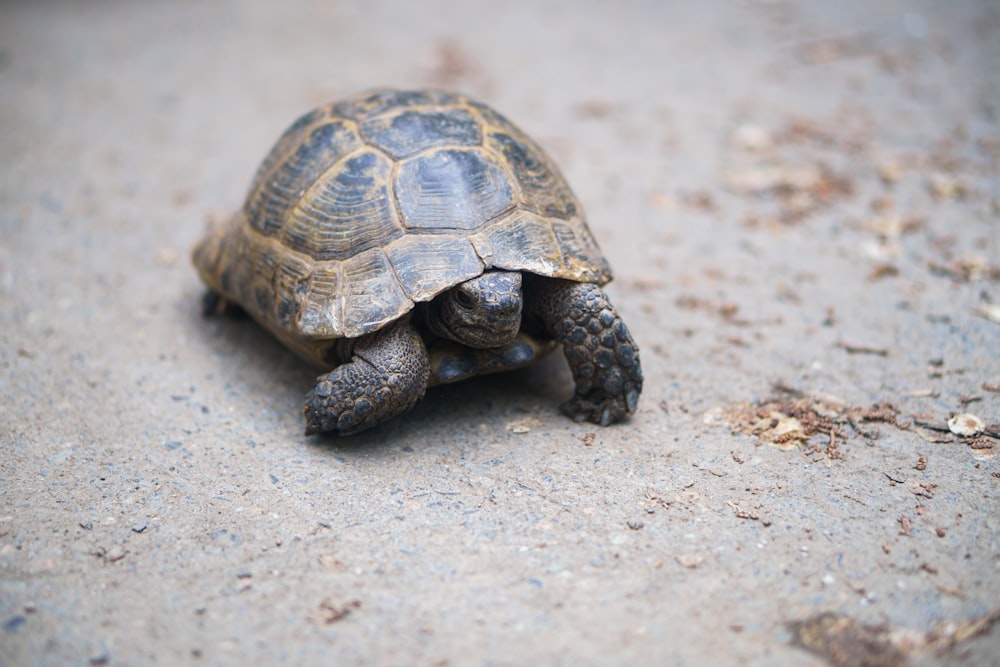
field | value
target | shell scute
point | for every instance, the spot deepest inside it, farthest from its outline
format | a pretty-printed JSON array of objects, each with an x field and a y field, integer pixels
[
  {"x": 412, "y": 131},
  {"x": 289, "y": 175},
  {"x": 452, "y": 189},
  {"x": 347, "y": 211}
]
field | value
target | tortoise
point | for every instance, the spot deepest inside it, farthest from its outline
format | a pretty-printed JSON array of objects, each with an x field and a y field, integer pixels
[{"x": 404, "y": 239}]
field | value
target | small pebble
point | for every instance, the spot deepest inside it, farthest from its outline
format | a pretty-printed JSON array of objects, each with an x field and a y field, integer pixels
[
  {"x": 966, "y": 425},
  {"x": 114, "y": 554}
]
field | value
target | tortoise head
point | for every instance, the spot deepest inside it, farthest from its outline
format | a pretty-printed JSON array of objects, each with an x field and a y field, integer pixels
[{"x": 482, "y": 312}]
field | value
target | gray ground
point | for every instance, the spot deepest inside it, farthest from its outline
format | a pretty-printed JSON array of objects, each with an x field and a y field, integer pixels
[{"x": 795, "y": 196}]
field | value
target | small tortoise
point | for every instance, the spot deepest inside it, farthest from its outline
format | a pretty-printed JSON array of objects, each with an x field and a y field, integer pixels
[{"x": 403, "y": 239}]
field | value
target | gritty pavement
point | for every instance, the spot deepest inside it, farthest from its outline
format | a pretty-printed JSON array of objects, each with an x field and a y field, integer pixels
[{"x": 800, "y": 202}]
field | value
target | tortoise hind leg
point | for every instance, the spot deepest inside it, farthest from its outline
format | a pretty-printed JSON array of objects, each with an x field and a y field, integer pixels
[
  {"x": 597, "y": 344},
  {"x": 213, "y": 303},
  {"x": 386, "y": 376}
]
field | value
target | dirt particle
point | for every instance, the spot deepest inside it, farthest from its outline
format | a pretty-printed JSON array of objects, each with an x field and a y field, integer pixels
[
  {"x": 989, "y": 311},
  {"x": 889, "y": 171},
  {"x": 945, "y": 186},
  {"x": 329, "y": 612},
  {"x": 883, "y": 271},
  {"x": 524, "y": 425},
  {"x": 594, "y": 108},
  {"x": 166, "y": 257},
  {"x": 690, "y": 561},
  {"x": 843, "y": 641},
  {"x": 699, "y": 200},
  {"x": 453, "y": 64},
  {"x": 743, "y": 514}
]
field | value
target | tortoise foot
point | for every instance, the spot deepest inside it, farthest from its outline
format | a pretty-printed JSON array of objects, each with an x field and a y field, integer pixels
[
  {"x": 599, "y": 348},
  {"x": 386, "y": 377}
]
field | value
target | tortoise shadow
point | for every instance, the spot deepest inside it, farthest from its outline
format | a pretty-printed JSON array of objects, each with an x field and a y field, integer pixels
[
  {"x": 453, "y": 411},
  {"x": 235, "y": 339}
]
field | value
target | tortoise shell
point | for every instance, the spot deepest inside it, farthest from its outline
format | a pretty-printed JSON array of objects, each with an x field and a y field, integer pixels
[{"x": 368, "y": 206}]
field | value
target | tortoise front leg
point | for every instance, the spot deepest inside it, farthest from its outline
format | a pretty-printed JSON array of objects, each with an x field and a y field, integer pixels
[
  {"x": 598, "y": 346},
  {"x": 386, "y": 376}
]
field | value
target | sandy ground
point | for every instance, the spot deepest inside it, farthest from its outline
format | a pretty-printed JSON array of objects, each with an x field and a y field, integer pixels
[{"x": 800, "y": 201}]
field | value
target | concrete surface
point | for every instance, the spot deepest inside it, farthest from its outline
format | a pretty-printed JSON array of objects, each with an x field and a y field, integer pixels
[{"x": 795, "y": 196}]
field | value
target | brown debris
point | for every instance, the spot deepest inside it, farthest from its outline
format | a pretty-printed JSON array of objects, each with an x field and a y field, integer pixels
[
  {"x": 968, "y": 268},
  {"x": 788, "y": 423},
  {"x": 827, "y": 49},
  {"x": 922, "y": 489},
  {"x": 946, "y": 186},
  {"x": 329, "y": 612},
  {"x": 884, "y": 270},
  {"x": 845, "y": 642},
  {"x": 799, "y": 188},
  {"x": 881, "y": 412},
  {"x": 740, "y": 513},
  {"x": 594, "y": 108},
  {"x": 452, "y": 65},
  {"x": 700, "y": 200}
]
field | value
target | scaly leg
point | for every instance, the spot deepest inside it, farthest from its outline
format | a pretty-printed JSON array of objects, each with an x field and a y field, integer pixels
[
  {"x": 598, "y": 346},
  {"x": 386, "y": 376}
]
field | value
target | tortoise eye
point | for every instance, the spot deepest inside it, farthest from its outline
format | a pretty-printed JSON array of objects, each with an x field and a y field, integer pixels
[{"x": 464, "y": 300}]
